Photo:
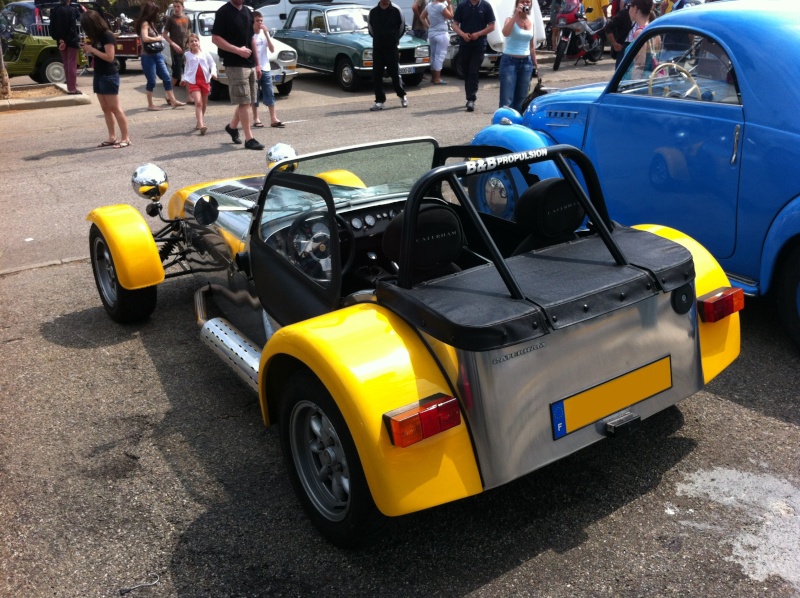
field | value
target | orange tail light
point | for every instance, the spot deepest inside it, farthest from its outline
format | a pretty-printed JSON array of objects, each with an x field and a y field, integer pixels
[
  {"x": 719, "y": 304},
  {"x": 428, "y": 417}
]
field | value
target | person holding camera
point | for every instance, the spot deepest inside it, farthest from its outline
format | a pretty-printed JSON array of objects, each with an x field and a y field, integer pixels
[{"x": 518, "y": 62}]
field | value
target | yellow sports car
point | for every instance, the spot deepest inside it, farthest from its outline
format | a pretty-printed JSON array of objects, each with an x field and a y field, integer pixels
[{"x": 411, "y": 349}]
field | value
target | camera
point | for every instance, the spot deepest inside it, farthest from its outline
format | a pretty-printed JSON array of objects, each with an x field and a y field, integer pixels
[{"x": 526, "y": 9}]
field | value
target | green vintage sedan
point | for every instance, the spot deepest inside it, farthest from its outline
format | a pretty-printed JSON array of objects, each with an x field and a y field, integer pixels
[{"x": 333, "y": 38}]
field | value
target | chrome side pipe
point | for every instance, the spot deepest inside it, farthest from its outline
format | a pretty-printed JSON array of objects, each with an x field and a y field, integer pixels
[{"x": 227, "y": 342}]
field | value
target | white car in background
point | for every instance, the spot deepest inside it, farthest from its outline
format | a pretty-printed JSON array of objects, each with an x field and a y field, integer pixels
[{"x": 282, "y": 62}]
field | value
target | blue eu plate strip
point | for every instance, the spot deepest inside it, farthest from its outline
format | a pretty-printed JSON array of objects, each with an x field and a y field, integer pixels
[{"x": 559, "y": 420}]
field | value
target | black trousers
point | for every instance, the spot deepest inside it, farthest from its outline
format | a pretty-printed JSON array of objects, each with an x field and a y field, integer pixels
[
  {"x": 471, "y": 58},
  {"x": 386, "y": 58}
]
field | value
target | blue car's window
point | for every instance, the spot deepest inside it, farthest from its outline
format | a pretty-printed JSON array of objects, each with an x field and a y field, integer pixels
[
  {"x": 347, "y": 19},
  {"x": 683, "y": 66},
  {"x": 299, "y": 21}
]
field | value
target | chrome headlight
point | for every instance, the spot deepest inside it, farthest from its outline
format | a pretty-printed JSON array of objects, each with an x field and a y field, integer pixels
[
  {"x": 287, "y": 56},
  {"x": 422, "y": 51},
  {"x": 149, "y": 182},
  {"x": 367, "y": 55}
]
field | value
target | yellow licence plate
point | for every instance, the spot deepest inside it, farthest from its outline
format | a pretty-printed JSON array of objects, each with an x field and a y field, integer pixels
[{"x": 593, "y": 404}]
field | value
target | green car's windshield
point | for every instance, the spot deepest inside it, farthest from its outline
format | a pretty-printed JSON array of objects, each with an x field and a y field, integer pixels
[{"x": 342, "y": 20}]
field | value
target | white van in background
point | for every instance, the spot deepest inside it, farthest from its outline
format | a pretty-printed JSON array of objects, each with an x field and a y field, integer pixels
[{"x": 276, "y": 11}]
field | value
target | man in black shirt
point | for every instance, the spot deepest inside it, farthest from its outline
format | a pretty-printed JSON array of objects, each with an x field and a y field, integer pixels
[
  {"x": 232, "y": 33},
  {"x": 473, "y": 21},
  {"x": 386, "y": 26},
  {"x": 64, "y": 29}
]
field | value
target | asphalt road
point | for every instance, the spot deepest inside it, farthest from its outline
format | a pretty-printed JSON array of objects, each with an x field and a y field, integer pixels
[{"x": 128, "y": 452}]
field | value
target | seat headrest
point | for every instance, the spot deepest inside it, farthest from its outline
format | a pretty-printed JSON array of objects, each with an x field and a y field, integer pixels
[
  {"x": 549, "y": 209},
  {"x": 439, "y": 237}
]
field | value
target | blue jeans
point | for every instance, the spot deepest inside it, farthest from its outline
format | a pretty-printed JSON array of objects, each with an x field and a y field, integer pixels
[
  {"x": 515, "y": 79},
  {"x": 153, "y": 64},
  {"x": 265, "y": 85}
]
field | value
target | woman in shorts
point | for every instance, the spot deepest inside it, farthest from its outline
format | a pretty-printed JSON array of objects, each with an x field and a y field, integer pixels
[{"x": 100, "y": 45}]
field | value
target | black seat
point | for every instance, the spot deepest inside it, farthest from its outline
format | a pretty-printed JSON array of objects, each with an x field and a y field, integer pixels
[
  {"x": 549, "y": 212},
  {"x": 439, "y": 239}
]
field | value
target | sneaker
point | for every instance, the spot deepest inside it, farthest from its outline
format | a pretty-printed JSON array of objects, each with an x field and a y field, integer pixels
[
  {"x": 253, "y": 144},
  {"x": 470, "y": 106},
  {"x": 377, "y": 106},
  {"x": 234, "y": 133},
  {"x": 404, "y": 101}
]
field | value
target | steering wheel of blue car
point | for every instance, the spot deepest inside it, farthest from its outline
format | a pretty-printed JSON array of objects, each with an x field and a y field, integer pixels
[
  {"x": 310, "y": 239},
  {"x": 694, "y": 87}
]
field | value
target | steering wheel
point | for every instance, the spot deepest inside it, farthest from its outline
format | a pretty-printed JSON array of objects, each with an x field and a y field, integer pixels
[
  {"x": 684, "y": 73},
  {"x": 311, "y": 244}
]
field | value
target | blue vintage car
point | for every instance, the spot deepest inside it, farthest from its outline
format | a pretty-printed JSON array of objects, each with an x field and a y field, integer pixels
[
  {"x": 698, "y": 129},
  {"x": 333, "y": 38}
]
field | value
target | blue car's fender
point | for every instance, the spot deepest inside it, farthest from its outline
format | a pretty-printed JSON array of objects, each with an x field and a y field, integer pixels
[
  {"x": 515, "y": 138},
  {"x": 783, "y": 229}
]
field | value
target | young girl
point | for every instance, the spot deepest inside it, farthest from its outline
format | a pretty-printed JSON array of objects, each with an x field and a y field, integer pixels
[
  {"x": 198, "y": 71},
  {"x": 106, "y": 77}
]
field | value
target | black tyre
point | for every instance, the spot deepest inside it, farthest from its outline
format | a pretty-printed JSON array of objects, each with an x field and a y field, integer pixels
[
  {"x": 324, "y": 466},
  {"x": 123, "y": 305},
  {"x": 787, "y": 294},
  {"x": 412, "y": 80},
  {"x": 346, "y": 75},
  {"x": 285, "y": 88},
  {"x": 123, "y": 65},
  {"x": 219, "y": 92},
  {"x": 596, "y": 50},
  {"x": 51, "y": 70},
  {"x": 560, "y": 51}
]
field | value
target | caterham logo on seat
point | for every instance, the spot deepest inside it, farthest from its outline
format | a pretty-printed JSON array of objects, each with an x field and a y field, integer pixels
[
  {"x": 524, "y": 351},
  {"x": 482, "y": 165}
]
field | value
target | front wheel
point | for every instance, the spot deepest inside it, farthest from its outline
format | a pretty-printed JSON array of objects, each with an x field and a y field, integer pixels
[
  {"x": 560, "y": 52},
  {"x": 285, "y": 88},
  {"x": 412, "y": 80},
  {"x": 324, "y": 465},
  {"x": 596, "y": 49},
  {"x": 52, "y": 70},
  {"x": 346, "y": 75},
  {"x": 787, "y": 294},
  {"x": 123, "y": 305}
]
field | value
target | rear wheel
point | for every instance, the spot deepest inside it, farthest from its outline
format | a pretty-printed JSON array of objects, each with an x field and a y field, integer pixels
[
  {"x": 52, "y": 70},
  {"x": 560, "y": 51},
  {"x": 324, "y": 465},
  {"x": 123, "y": 305},
  {"x": 123, "y": 65},
  {"x": 285, "y": 88},
  {"x": 596, "y": 50},
  {"x": 787, "y": 294},
  {"x": 219, "y": 92},
  {"x": 346, "y": 75}
]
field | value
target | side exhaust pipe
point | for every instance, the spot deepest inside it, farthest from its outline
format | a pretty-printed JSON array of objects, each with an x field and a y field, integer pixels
[{"x": 227, "y": 342}]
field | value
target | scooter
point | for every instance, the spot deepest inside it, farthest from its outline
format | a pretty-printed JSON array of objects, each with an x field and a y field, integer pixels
[{"x": 579, "y": 39}]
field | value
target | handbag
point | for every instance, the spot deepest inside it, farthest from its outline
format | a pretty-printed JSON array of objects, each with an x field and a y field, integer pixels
[{"x": 153, "y": 47}]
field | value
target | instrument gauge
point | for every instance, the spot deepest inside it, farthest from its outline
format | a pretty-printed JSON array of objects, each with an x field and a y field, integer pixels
[
  {"x": 357, "y": 223},
  {"x": 369, "y": 220}
]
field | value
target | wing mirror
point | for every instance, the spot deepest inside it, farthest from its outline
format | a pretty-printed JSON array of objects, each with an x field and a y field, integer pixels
[
  {"x": 150, "y": 182},
  {"x": 206, "y": 210}
]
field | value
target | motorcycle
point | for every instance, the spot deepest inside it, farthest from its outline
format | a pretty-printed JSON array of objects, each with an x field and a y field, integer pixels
[{"x": 579, "y": 39}]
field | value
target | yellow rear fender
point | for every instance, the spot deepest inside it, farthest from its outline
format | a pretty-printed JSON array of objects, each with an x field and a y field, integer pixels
[
  {"x": 132, "y": 246},
  {"x": 719, "y": 341},
  {"x": 372, "y": 362}
]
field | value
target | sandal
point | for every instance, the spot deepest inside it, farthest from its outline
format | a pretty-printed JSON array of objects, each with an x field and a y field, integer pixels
[
  {"x": 122, "y": 144},
  {"x": 258, "y": 124},
  {"x": 154, "y": 108},
  {"x": 108, "y": 143},
  {"x": 203, "y": 130},
  {"x": 277, "y": 125}
]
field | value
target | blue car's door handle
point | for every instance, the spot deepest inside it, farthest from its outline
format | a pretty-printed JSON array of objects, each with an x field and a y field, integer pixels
[{"x": 735, "y": 143}]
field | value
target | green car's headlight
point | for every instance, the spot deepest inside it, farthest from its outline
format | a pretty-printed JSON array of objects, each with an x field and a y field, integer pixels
[
  {"x": 422, "y": 51},
  {"x": 367, "y": 55}
]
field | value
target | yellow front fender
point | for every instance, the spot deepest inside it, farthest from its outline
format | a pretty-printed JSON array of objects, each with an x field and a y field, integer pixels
[
  {"x": 132, "y": 246},
  {"x": 719, "y": 341},
  {"x": 372, "y": 362}
]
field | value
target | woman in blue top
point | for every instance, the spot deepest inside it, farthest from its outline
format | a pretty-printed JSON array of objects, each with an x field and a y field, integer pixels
[{"x": 518, "y": 62}]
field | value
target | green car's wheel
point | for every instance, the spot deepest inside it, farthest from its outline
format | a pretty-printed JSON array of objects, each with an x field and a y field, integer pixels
[
  {"x": 122, "y": 305},
  {"x": 787, "y": 294},
  {"x": 346, "y": 75},
  {"x": 324, "y": 466},
  {"x": 52, "y": 70}
]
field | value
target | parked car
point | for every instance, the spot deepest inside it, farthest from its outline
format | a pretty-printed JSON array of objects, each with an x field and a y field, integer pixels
[
  {"x": 201, "y": 13},
  {"x": 28, "y": 55},
  {"x": 696, "y": 130},
  {"x": 26, "y": 16},
  {"x": 333, "y": 38},
  {"x": 411, "y": 350},
  {"x": 489, "y": 66}
]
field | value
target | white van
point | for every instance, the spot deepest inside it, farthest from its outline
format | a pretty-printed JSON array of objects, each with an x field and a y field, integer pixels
[{"x": 276, "y": 11}]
